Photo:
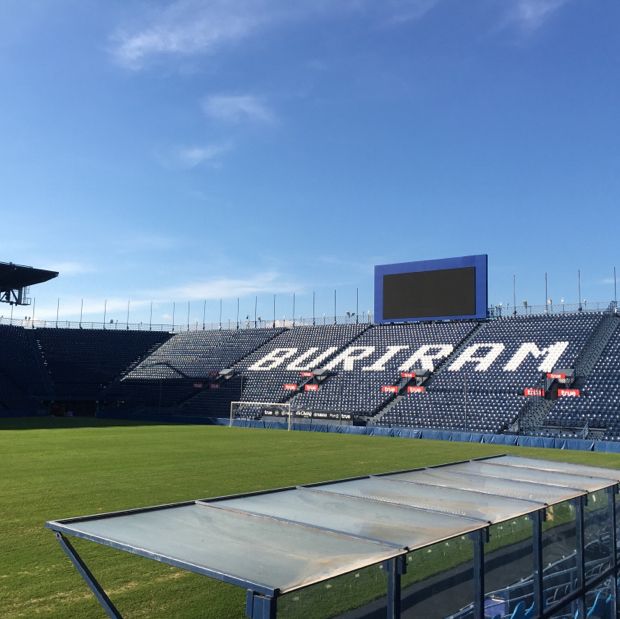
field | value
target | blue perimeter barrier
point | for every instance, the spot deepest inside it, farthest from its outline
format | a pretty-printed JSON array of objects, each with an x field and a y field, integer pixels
[
  {"x": 424, "y": 433},
  {"x": 436, "y": 435}
]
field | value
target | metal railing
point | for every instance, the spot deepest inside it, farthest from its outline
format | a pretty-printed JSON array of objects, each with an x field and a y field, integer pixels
[{"x": 495, "y": 311}]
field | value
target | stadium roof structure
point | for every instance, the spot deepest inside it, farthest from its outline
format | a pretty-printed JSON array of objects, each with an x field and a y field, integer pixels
[
  {"x": 276, "y": 542},
  {"x": 15, "y": 278}
]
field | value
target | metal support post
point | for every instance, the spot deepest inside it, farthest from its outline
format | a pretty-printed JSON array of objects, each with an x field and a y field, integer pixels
[
  {"x": 87, "y": 575},
  {"x": 613, "y": 517},
  {"x": 537, "y": 519},
  {"x": 580, "y": 504},
  {"x": 395, "y": 568},
  {"x": 478, "y": 539},
  {"x": 259, "y": 606}
]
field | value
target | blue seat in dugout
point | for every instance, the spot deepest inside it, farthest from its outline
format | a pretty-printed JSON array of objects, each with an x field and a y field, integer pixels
[
  {"x": 519, "y": 611},
  {"x": 600, "y": 609}
]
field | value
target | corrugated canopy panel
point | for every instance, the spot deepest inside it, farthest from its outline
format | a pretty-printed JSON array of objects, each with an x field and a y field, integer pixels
[{"x": 290, "y": 538}]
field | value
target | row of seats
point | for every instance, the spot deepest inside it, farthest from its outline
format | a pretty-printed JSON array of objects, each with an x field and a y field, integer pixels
[
  {"x": 82, "y": 362},
  {"x": 598, "y": 406},
  {"x": 25, "y": 379},
  {"x": 480, "y": 369}
]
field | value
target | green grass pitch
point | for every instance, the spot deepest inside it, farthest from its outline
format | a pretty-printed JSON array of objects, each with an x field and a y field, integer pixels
[{"x": 56, "y": 468}]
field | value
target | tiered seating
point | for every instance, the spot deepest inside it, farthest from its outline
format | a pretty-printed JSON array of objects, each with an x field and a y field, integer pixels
[
  {"x": 478, "y": 412},
  {"x": 358, "y": 390},
  {"x": 196, "y": 354},
  {"x": 487, "y": 397},
  {"x": 265, "y": 385},
  {"x": 25, "y": 379},
  {"x": 599, "y": 404},
  {"x": 178, "y": 368},
  {"x": 83, "y": 361}
]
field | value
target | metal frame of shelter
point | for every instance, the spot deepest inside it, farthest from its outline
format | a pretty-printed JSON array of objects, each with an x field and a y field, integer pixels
[{"x": 304, "y": 535}]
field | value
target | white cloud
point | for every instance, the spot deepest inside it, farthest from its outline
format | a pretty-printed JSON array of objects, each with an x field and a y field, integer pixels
[
  {"x": 192, "y": 26},
  {"x": 401, "y": 11},
  {"x": 69, "y": 268},
  {"x": 270, "y": 282},
  {"x": 189, "y": 157},
  {"x": 189, "y": 27},
  {"x": 530, "y": 15},
  {"x": 235, "y": 109},
  {"x": 228, "y": 288}
]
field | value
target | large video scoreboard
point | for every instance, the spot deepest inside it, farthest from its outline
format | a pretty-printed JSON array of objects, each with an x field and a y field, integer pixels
[{"x": 450, "y": 288}]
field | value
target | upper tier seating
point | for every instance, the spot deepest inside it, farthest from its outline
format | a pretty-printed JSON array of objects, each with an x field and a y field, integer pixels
[
  {"x": 510, "y": 372},
  {"x": 83, "y": 361},
  {"x": 196, "y": 354},
  {"x": 357, "y": 389},
  {"x": 313, "y": 346},
  {"x": 177, "y": 368},
  {"x": 480, "y": 387}
]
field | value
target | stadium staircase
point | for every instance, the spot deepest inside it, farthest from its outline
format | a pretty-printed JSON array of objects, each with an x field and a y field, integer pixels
[{"x": 595, "y": 345}]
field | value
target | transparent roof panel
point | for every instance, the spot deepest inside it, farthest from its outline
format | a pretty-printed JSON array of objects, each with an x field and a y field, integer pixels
[
  {"x": 446, "y": 477},
  {"x": 561, "y": 467},
  {"x": 253, "y": 549},
  {"x": 519, "y": 473},
  {"x": 398, "y": 524},
  {"x": 468, "y": 503},
  {"x": 288, "y": 539}
]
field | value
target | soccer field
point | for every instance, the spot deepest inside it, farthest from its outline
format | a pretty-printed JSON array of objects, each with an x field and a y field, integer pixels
[{"x": 55, "y": 468}]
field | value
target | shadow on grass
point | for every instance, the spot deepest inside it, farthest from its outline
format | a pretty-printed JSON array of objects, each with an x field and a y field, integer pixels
[{"x": 49, "y": 422}]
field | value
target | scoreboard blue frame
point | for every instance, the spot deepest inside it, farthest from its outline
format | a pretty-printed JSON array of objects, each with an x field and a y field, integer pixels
[{"x": 478, "y": 262}]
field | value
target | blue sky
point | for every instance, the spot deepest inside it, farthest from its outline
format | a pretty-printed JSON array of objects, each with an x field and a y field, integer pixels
[{"x": 191, "y": 150}]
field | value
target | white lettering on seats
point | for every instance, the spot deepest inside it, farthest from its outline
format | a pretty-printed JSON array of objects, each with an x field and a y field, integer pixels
[
  {"x": 426, "y": 356},
  {"x": 274, "y": 359},
  {"x": 348, "y": 357},
  {"x": 550, "y": 356},
  {"x": 379, "y": 364},
  {"x": 296, "y": 364},
  {"x": 482, "y": 362}
]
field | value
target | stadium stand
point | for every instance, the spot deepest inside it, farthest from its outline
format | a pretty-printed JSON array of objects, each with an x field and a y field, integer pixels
[
  {"x": 357, "y": 390},
  {"x": 477, "y": 372},
  {"x": 84, "y": 361},
  {"x": 186, "y": 362},
  {"x": 306, "y": 348},
  {"x": 480, "y": 387},
  {"x": 24, "y": 380},
  {"x": 597, "y": 410}
]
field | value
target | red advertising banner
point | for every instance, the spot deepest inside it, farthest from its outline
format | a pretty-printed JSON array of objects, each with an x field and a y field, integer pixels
[
  {"x": 557, "y": 376},
  {"x": 569, "y": 393},
  {"x": 534, "y": 391},
  {"x": 311, "y": 387},
  {"x": 290, "y": 386},
  {"x": 305, "y": 374},
  {"x": 389, "y": 389},
  {"x": 416, "y": 389},
  {"x": 407, "y": 374}
]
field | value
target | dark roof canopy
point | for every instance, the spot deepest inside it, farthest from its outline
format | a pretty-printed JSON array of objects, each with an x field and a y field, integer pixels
[{"x": 14, "y": 276}]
